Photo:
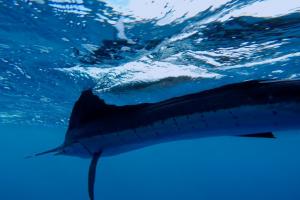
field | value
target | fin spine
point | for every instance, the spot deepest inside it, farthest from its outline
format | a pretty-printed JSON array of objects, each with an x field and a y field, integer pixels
[
  {"x": 260, "y": 135},
  {"x": 92, "y": 174}
]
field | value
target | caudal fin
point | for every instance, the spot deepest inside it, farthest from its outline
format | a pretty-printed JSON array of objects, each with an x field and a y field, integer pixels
[{"x": 92, "y": 174}]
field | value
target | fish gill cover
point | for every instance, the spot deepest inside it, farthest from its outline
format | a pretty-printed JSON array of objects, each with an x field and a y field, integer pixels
[{"x": 133, "y": 51}]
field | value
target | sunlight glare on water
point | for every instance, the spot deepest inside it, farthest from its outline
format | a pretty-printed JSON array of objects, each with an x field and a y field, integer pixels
[{"x": 133, "y": 51}]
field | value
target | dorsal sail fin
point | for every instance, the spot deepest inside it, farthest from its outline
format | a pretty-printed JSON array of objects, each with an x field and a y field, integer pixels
[{"x": 87, "y": 108}]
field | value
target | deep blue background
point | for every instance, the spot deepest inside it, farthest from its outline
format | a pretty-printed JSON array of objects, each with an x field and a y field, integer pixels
[
  {"x": 42, "y": 45},
  {"x": 209, "y": 168}
]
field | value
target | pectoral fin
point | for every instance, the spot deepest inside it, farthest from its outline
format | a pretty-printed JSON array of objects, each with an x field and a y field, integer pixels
[
  {"x": 92, "y": 174},
  {"x": 260, "y": 135}
]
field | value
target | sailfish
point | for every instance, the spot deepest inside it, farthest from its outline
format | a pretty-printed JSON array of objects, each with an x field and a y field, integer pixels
[{"x": 256, "y": 108}]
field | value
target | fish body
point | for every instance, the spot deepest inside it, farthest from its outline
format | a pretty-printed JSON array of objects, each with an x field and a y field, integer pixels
[
  {"x": 249, "y": 109},
  {"x": 246, "y": 108}
]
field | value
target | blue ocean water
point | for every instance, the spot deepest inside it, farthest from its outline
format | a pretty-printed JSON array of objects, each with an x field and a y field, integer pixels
[{"x": 133, "y": 51}]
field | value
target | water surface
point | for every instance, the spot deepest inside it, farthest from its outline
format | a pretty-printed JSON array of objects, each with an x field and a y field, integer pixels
[{"x": 134, "y": 51}]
